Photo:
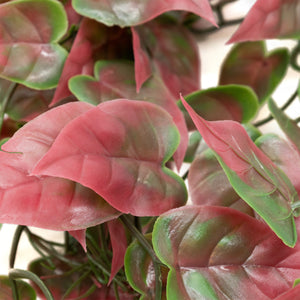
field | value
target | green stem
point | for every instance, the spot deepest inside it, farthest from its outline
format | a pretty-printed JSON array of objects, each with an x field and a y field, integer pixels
[
  {"x": 149, "y": 249},
  {"x": 15, "y": 274},
  {"x": 15, "y": 244},
  {"x": 294, "y": 56},
  {"x": 283, "y": 108}
]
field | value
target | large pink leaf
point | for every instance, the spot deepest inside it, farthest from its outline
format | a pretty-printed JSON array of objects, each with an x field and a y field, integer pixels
[
  {"x": 134, "y": 12},
  {"x": 292, "y": 293},
  {"x": 209, "y": 185},
  {"x": 115, "y": 79},
  {"x": 93, "y": 42},
  {"x": 220, "y": 253},
  {"x": 119, "y": 246},
  {"x": 29, "y": 52},
  {"x": 269, "y": 19},
  {"x": 119, "y": 149},
  {"x": 43, "y": 201},
  {"x": 252, "y": 174},
  {"x": 170, "y": 49}
]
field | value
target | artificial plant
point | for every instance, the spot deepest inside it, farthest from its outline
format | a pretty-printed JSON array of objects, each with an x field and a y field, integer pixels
[{"x": 101, "y": 110}]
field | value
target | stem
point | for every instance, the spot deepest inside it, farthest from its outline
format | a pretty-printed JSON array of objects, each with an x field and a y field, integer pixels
[
  {"x": 149, "y": 249},
  {"x": 19, "y": 274},
  {"x": 15, "y": 244},
  {"x": 294, "y": 55},
  {"x": 283, "y": 108}
]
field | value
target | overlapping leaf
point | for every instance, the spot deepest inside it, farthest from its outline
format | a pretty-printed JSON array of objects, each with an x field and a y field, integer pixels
[
  {"x": 119, "y": 149},
  {"x": 209, "y": 185},
  {"x": 132, "y": 12},
  {"x": 268, "y": 20},
  {"x": 26, "y": 292},
  {"x": 288, "y": 126},
  {"x": 232, "y": 102},
  {"x": 293, "y": 293},
  {"x": 252, "y": 174},
  {"x": 250, "y": 64},
  {"x": 220, "y": 253},
  {"x": 115, "y": 79},
  {"x": 93, "y": 41},
  {"x": 139, "y": 270},
  {"x": 29, "y": 53},
  {"x": 43, "y": 201},
  {"x": 170, "y": 49}
]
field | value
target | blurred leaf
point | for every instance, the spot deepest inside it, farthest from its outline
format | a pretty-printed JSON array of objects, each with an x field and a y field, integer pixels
[
  {"x": 252, "y": 174},
  {"x": 231, "y": 102},
  {"x": 269, "y": 20},
  {"x": 93, "y": 41},
  {"x": 209, "y": 185},
  {"x": 29, "y": 53},
  {"x": 43, "y": 201},
  {"x": 220, "y": 253},
  {"x": 119, "y": 149},
  {"x": 132, "y": 12},
  {"x": 115, "y": 79},
  {"x": 170, "y": 49},
  {"x": 24, "y": 289},
  {"x": 140, "y": 271},
  {"x": 250, "y": 64},
  {"x": 194, "y": 143},
  {"x": 290, "y": 294}
]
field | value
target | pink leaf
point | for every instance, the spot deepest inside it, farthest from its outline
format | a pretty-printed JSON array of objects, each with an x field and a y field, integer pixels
[
  {"x": 79, "y": 235},
  {"x": 119, "y": 149},
  {"x": 270, "y": 19},
  {"x": 43, "y": 201},
  {"x": 119, "y": 246}
]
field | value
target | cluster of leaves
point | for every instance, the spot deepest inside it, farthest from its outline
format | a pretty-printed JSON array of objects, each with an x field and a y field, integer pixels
[{"x": 101, "y": 105}]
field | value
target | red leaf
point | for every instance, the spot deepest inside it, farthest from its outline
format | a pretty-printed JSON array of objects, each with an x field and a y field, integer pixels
[
  {"x": 79, "y": 235},
  {"x": 119, "y": 246},
  {"x": 119, "y": 149},
  {"x": 43, "y": 201}
]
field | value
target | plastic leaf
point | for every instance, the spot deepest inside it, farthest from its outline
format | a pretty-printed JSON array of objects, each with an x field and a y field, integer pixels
[
  {"x": 132, "y": 12},
  {"x": 285, "y": 156},
  {"x": 24, "y": 289},
  {"x": 29, "y": 53},
  {"x": 250, "y": 64},
  {"x": 209, "y": 185},
  {"x": 119, "y": 149},
  {"x": 115, "y": 79},
  {"x": 270, "y": 19},
  {"x": 43, "y": 201},
  {"x": 232, "y": 102},
  {"x": 288, "y": 126},
  {"x": 170, "y": 49},
  {"x": 119, "y": 245},
  {"x": 256, "y": 179},
  {"x": 140, "y": 271},
  {"x": 213, "y": 250}
]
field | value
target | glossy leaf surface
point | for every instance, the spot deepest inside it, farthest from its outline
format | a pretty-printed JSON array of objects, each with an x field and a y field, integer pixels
[
  {"x": 140, "y": 271},
  {"x": 209, "y": 185},
  {"x": 285, "y": 156},
  {"x": 115, "y": 79},
  {"x": 29, "y": 53},
  {"x": 93, "y": 41},
  {"x": 26, "y": 292},
  {"x": 119, "y": 149},
  {"x": 43, "y": 201},
  {"x": 220, "y": 253},
  {"x": 134, "y": 12},
  {"x": 232, "y": 102},
  {"x": 250, "y": 64},
  {"x": 169, "y": 49},
  {"x": 252, "y": 174},
  {"x": 288, "y": 126},
  {"x": 119, "y": 245},
  {"x": 269, "y": 19}
]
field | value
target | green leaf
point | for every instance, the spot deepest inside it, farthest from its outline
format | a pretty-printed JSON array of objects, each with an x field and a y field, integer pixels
[
  {"x": 220, "y": 253},
  {"x": 231, "y": 102},
  {"x": 250, "y": 64},
  {"x": 25, "y": 291},
  {"x": 29, "y": 52}
]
